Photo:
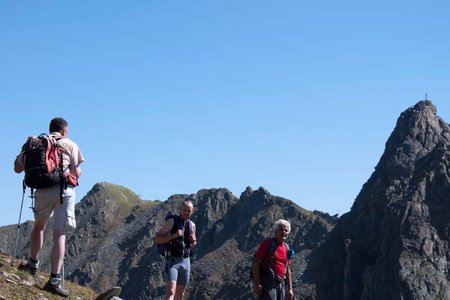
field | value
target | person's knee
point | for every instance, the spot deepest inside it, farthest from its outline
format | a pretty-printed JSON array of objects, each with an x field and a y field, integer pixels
[
  {"x": 170, "y": 289},
  {"x": 180, "y": 290},
  {"x": 39, "y": 225}
]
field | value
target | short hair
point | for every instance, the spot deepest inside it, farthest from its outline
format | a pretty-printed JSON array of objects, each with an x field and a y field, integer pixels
[
  {"x": 57, "y": 125},
  {"x": 187, "y": 203},
  {"x": 282, "y": 222}
]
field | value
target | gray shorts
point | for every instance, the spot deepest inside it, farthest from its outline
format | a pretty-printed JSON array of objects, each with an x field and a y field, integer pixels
[
  {"x": 177, "y": 269},
  {"x": 272, "y": 289},
  {"x": 48, "y": 203}
]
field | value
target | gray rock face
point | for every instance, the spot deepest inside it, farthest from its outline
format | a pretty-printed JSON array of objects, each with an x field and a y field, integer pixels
[{"x": 393, "y": 244}]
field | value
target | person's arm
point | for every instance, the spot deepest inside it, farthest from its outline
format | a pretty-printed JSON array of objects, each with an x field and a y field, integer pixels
[
  {"x": 163, "y": 235},
  {"x": 72, "y": 157},
  {"x": 260, "y": 256},
  {"x": 19, "y": 164},
  {"x": 77, "y": 171},
  {"x": 75, "y": 161},
  {"x": 290, "y": 292},
  {"x": 193, "y": 237},
  {"x": 256, "y": 280}
]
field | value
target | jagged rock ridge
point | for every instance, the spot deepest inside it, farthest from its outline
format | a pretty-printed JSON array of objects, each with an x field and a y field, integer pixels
[
  {"x": 113, "y": 243},
  {"x": 393, "y": 244}
]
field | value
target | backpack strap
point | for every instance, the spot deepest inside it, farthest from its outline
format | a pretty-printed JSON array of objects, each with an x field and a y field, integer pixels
[
  {"x": 175, "y": 222},
  {"x": 287, "y": 257},
  {"x": 56, "y": 136},
  {"x": 268, "y": 259},
  {"x": 190, "y": 227},
  {"x": 271, "y": 249},
  {"x": 180, "y": 225},
  {"x": 168, "y": 216},
  {"x": 53, "y": 139},
  {"x": 178, "y": 222},
  {"x": 289, "y": 254},
  {"x": 190, "y": 230},
  {"x": 181, "y": 245}
]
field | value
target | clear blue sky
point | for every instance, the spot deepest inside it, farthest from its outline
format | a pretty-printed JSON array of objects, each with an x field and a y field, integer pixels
[{"x": 169, "y": 97}]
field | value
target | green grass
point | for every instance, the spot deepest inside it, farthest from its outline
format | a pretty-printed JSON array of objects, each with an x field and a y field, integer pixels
[{"x": 19, "y": 285}]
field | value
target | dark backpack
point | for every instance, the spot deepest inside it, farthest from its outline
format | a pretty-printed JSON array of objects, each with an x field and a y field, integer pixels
[
  {"x": 43, "y": 163},
  {"x": 265, "y": 263},
  {"x": 163, "y": 248}
]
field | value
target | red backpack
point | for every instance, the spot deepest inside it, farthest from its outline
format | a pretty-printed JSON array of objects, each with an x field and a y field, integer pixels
[{"x": 43, "y": 161}]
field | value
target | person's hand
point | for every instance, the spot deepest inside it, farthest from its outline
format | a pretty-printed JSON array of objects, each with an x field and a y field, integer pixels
[
  {"x": 179, "y": 233},
  {"x": 290, "y": 294},
  {"x": 192, "y": 238},
  {"x": 258, "y": 289}
]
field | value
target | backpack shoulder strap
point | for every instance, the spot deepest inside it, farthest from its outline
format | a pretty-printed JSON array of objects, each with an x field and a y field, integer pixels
[
  {"x": 190, "y": 227},
  {"x": 168, "y": 216},
  {"x": 289, "y": 252},
  {"x": 178, "y": 222},
  {"x": 289, "y": 255},
  {"x": 51, "y": 140},
  {"x": 54, "y": 136},
  {"x": 268, "y": 259},
  {"x": 271, "y": 249}
]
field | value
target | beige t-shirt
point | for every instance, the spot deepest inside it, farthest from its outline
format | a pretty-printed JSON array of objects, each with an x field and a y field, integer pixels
[{"x": 72, "y": 156}]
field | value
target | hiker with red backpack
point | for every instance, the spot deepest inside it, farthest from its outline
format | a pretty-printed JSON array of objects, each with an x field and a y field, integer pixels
[
  {"x": 272, "y": 278},
  {"x": 178, "y": 236},
  {"x": 52, "y": 167}
]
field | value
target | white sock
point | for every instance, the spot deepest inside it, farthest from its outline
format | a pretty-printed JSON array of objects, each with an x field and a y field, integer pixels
[
  {"x": 55, "y": 279},
  {"x": 33, "y": 263}
]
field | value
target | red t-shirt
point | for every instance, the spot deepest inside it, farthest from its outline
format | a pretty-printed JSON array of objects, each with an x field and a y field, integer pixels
[{"x": 280, "y": 256}]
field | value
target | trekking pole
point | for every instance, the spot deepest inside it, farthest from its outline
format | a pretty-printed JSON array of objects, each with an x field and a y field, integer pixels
[
  {"x": 32, "y": 199},
  {"x": 18, "y": 223},
  {"x": 63, "y": 272}
]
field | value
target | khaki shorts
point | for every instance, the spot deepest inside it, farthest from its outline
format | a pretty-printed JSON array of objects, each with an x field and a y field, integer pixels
[{"x": 48, "y": 203}]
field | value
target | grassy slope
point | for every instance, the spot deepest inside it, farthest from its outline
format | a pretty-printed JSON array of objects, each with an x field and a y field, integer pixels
[{"x": 18, "y": 285}]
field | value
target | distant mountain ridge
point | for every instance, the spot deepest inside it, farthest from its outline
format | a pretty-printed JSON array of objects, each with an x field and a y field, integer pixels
[
  {"x": 113, "y": 242},
  {"x": 393, "y": 244}
]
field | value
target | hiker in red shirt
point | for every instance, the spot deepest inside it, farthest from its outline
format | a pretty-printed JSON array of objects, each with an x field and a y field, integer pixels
[{"x": 271, "y": 268}]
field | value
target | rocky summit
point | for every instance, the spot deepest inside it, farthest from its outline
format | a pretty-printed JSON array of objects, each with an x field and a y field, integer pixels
[{"x": 392, "y": 244}]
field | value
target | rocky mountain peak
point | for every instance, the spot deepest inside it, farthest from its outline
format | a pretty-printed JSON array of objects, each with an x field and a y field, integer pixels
[
  {"x": 418, "y": 131},
  {"x": 395, "y": 238}
]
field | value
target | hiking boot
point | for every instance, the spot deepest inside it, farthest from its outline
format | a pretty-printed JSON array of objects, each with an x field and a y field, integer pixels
[
  {"x": 56, "y": 289},
  {"x": 25, "y": 266}
]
